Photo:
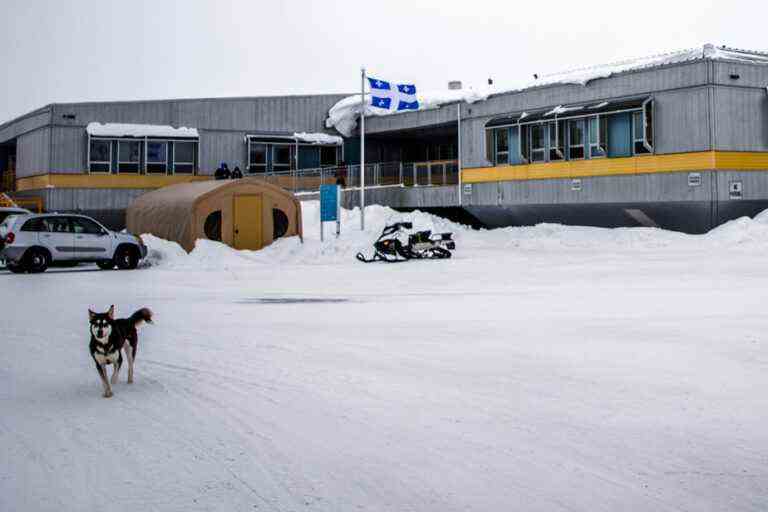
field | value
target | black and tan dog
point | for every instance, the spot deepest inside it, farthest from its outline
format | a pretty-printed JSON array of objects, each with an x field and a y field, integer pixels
[{"x": 109, "y": 337}]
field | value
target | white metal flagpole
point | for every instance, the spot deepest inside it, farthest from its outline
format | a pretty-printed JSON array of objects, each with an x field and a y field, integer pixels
[
  {"x": 362, "y": 149},
  {"x": 458, "y": 150}
]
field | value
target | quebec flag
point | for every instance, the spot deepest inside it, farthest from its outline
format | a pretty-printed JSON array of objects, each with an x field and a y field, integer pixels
[{"x": 402, "y": 97}]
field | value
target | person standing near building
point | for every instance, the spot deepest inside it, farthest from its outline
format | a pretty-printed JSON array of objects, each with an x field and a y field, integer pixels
[{"x": 222, "y": 173}]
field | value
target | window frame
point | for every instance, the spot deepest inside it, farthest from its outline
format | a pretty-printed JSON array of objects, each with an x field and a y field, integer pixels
[
  {"x": 147, "y": 163},
  {"x": 540, "y": 150},
  {"x": 648, "y": 128},
  {"x": 571, "y": 145},
  {"x": 138, "y": 162},
  {"x": 195, "y": 156},
  {"x": 282, "y": 167},
  {"x": 496, "y": 151},
  {"x": 601, "y": 142},
  {"x": 335, "y": 149},
  {"x": 639, "y": 142},
  {"x": 251, "y": 165},
  {"x": 559, "y": 143},
  {"x": 101, "y": 162}
]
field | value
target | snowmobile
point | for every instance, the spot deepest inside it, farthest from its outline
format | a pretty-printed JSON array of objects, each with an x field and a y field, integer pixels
[{"x": 421, "y": 245}]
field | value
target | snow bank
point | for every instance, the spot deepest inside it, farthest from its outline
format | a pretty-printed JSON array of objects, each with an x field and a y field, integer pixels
[
  {"x": 138, "y": 130},
  {"x": 343, "y": 116},
  {"x": 318, "y": 138},
  {"x": 471, "y": 244}
]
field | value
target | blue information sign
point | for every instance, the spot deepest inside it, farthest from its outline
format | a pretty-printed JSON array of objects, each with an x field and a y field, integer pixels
[{"x": 329, "y": 203}]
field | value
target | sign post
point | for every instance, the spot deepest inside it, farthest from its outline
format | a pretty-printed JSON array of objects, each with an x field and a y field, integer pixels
[{"x": 330, "y": 207}]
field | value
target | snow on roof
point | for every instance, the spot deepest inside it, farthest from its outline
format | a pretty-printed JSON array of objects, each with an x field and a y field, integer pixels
[
  {"x": 138, "y": 130},
  {"x": 318, "y": 138},
  {"x": 343, "y": 115}
]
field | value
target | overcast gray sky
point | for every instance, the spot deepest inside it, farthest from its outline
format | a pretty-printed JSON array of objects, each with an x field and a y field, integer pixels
[{"x": 80, "y": 50}]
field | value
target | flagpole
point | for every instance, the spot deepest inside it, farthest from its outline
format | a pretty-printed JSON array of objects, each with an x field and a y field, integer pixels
[
  {"x": 458, "y": 151},
  {"x": 362, "y": 149}
]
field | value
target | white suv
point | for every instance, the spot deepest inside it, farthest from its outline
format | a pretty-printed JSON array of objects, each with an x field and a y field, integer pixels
[{"x": 32, "y": 242}]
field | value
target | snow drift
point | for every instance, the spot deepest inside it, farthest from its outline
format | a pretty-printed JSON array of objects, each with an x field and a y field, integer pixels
[{"x": 470, "y": 243}]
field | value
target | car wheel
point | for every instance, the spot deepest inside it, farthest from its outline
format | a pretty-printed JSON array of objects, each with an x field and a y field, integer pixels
[
  {"x": 127, "y": 258},
  {"x": 36, "y": 261},
  {"x": 106, "y": 265}
]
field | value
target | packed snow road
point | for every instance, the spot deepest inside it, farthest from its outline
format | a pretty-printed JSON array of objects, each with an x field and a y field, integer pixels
[{"x": 541, "y": 369}]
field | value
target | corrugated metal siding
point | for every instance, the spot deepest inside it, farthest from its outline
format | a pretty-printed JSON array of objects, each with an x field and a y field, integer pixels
[
  {"x": 69, "y": 150},
  {"x": 631, "y": 84},
  {"x": 25, "y": 124},
  {"x": 154, "y": 112},
  {"x": 217, "y": 147},
  {"x": 33, "y": 152},
  {"x": 682, "y": 121},
  {"x": 750, "y": 75},
  {"x": 74, "y": 199},
  {"x": 741, "y": 119}
]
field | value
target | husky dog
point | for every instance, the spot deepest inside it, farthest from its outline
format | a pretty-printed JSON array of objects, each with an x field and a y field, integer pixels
[{"x": 108, "y": 337}]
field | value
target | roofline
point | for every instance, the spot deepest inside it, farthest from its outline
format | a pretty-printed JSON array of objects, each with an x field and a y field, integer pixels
[
  {"x": 185, "y": 100},
  {"x": 47, "y": 108}
]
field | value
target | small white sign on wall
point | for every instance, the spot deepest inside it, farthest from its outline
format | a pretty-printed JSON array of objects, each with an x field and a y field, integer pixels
[
  {"x": 576, "y": 184},
  {"x": 468, "y": 189},
  {"x": 694, "y": 179},
  {"x": 736, "y": 190}
]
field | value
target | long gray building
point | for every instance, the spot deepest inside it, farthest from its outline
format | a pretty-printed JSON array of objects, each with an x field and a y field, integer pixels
[{"x": 678, "y": 140}]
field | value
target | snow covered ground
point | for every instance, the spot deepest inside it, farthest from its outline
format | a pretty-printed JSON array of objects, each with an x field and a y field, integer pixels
[{"x": 542, "y": 369}]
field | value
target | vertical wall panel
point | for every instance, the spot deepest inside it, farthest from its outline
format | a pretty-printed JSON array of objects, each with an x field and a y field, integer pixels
[
  {"x": 33, "y": 153},
  {"x": 68, "y": 149},
  {"x": 741, "y": 119}
]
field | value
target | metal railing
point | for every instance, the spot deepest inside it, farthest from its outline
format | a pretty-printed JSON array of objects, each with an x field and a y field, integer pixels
[{"x": 385, "y": 174}]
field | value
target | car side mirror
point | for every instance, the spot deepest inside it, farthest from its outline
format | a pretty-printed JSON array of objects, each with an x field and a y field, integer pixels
[{"x": 103, "y": 233}]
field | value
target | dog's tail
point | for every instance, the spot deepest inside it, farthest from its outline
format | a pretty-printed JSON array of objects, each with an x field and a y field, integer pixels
[{"x": 141, "y": 316}]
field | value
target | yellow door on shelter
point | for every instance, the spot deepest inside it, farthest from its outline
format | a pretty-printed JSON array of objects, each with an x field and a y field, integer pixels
[{"x": 248, "y": 222}]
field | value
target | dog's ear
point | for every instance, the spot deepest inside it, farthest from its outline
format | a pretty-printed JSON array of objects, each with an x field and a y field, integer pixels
[
  {"x": 91, "y": 315},
  {"x": 111, "y": 312}
]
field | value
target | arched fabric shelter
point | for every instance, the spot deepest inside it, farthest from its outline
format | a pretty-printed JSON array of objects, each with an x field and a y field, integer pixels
[{"x": 243, "y": 213}]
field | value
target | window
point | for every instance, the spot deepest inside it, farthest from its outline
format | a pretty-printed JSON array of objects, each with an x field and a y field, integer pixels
[
  {"x": 525, "y": 155},
  {"x": 557, "y": 140},
  {"x": 157, "y": 157},
  {"x": 85, "y": 226},
  {"x": 598, "y": 136},
  {"x": 100, "y": 156},
  {"x": 128, "y": 156},
  {"x": 212, "y": 226},
  {"x": 502, "y": 146},
  {"x": 257, "y": 160},
  {"x": 576, "y": 142},
  {"x": 34, "y": 225},
  {"x": 328, "y": 156},
  {"x": 56, "y": 225},
  {"x": 638, "y": 134},
  {"x": 642, "y": 129},
  {"x": 281, "y": 157},
  {"x": 184, "y": 157},
  {"x": 538, "y": 149},
  {"x": 280, "y": 223}
]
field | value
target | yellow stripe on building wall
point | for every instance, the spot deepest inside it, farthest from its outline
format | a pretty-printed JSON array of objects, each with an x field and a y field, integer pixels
[
  {"x": 115, "y": 181},
  {"x": 645, "y": 164}
]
